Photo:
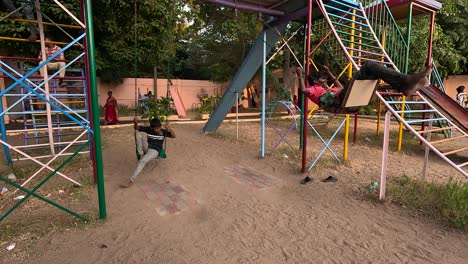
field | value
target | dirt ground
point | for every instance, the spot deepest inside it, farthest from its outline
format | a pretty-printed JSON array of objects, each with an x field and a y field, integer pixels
[{"x": 247, "y": 210}]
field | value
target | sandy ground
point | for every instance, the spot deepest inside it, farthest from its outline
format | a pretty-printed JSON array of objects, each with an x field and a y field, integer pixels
[{"x": 231, "y": 222}]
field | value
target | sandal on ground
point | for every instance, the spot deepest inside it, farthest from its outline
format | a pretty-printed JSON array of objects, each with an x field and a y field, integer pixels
[
  {"x": 330, "y": 179},
  {"x": 306, "y": 180}
]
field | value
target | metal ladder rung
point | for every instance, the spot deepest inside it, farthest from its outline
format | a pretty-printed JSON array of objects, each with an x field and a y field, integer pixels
[
  {"x": 64, "y": 102},
  {"x": 406, "y": 102},
  {"x": 360, "y": 44},
  {"x": 350, "y": 27},
  {"x": 60, "y": 113},
  {"x": 447, "y": 139},
  {"x": 356, "y": 36},
  {"x": 365, "y": 51},
  {"x": 455, "y": 151},
  {"x": 462, "y": 165},
  {"x": 415, "y": 111},
  {"x": 425, "y": 120},
  {"x": 347, "y": 19},
  {"x": 367, "y": 59},
  {"x": 356, "y": 7},
  {"x": 344, "y": 11},
  {"x": 435, "y": 129}
]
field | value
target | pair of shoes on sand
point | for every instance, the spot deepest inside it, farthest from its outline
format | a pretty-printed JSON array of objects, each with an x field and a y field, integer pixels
[
  {"x": 414, "y": 82},
  {"x": 328, "y": 179}
]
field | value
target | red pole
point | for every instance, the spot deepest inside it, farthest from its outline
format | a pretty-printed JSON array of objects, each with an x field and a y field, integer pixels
[
  {"x": 431, "y": 37},
  {"x": 307, "y": 71},
  {"x": 88, "y": 90},
  {"x": 429, "y": 58}
]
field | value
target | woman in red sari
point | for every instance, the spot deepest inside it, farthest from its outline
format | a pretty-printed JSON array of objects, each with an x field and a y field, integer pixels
[{"x": 112, "y": 116}]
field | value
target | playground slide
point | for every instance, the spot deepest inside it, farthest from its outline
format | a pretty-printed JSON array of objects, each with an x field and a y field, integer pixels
[
  {"x": 179, "y": 105},
  {"x": 447, "y": 106}
]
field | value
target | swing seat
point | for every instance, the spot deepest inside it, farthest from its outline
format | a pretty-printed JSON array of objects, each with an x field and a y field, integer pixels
[
  {"x": 359, "y": 93},
  {"x": 162, "y": 155}
]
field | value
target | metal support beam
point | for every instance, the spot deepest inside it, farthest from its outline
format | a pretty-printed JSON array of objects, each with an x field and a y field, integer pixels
[
  {"x": 247, "y": 7},
  {"x": 245, "y": 73},
  {"x": 94, "y": 107}
]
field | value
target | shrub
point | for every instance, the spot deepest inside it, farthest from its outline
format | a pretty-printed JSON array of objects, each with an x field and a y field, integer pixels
[{"x": 152, "y": 107}]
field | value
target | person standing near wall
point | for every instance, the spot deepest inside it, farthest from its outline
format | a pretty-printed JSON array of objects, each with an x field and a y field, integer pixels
[
  {"x": 112, "y": 115},
  {"x": 462, "y": 97}
]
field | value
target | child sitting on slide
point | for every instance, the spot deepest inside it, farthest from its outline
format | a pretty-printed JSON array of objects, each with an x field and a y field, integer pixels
[{"x": 149, "y": 143}]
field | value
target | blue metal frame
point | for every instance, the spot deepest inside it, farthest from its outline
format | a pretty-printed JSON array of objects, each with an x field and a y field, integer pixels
[
  {"x": 262, "y": 151},
  {"x": 21, "y": 80},
  {"x": 4, "y": 136},
  {"x": 33, "y": 91},
  {"x": 38, "y": 87},
  {"x": 50, "y": 103}
]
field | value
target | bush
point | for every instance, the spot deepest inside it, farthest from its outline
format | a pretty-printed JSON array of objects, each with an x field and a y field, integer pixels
[
  {"x": 125, "y": 110},
  {"x": 208, "y": 104},
  {"x": 370, "y": 108},
  {"x": 159, "y": 108}
]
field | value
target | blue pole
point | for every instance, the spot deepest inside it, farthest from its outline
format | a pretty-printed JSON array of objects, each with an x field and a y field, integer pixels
[
  {"x": 263, "y": 92},
  {"x": 4, "y": 136}
]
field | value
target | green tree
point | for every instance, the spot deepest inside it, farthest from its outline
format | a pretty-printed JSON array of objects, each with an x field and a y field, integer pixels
[
  {"x": 218, "y": 40},
  {"x": 452, "y": 20},
  {"x": 158, "y": 24},
  {"x": 14, "y": 29},
  {"x": 447, "y": 58}
]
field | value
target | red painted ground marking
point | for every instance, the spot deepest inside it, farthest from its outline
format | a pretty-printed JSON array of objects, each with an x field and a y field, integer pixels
[
  {"x": 248, "y": 176},
  {"x": 168, "y": 197}
]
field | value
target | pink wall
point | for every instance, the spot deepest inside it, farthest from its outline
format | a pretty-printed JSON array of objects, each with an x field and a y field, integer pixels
[
  {"x": 452, "y": 82},
  {"x": 188, "y": 90}
]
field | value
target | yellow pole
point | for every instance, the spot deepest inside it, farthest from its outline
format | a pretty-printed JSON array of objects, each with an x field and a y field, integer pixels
[
  {"x": 351, "y": 45},
  {"x": 312, "y": 110},
  {"x": 346, "y": 136},
  {"x": 347, "y": 67},
  {"x": 47, "y": 23},
  {"x": 313, "y": 64},
  {"x": 400, "y": 129},
  {"x": 36, "y": 41},
  {"x": 350, "y": 75}
]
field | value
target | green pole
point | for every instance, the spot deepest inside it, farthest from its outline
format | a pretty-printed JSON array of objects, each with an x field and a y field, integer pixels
[
  {"x": 408, "y": 37},
  {"x": 95, "y": 108}
]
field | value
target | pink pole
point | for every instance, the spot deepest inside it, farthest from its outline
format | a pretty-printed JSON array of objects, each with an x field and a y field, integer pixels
[{"x": 383, "y": 176}]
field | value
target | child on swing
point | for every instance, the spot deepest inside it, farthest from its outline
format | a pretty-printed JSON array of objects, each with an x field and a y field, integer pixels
[
  {"x": 149, "y": 143},
  {"x": 331, "y": 100}
]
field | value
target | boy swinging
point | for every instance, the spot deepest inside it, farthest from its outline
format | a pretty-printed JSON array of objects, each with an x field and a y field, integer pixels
[
  {"x": 332, "y": 100},
  {"x": 149, "y": 143}
]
